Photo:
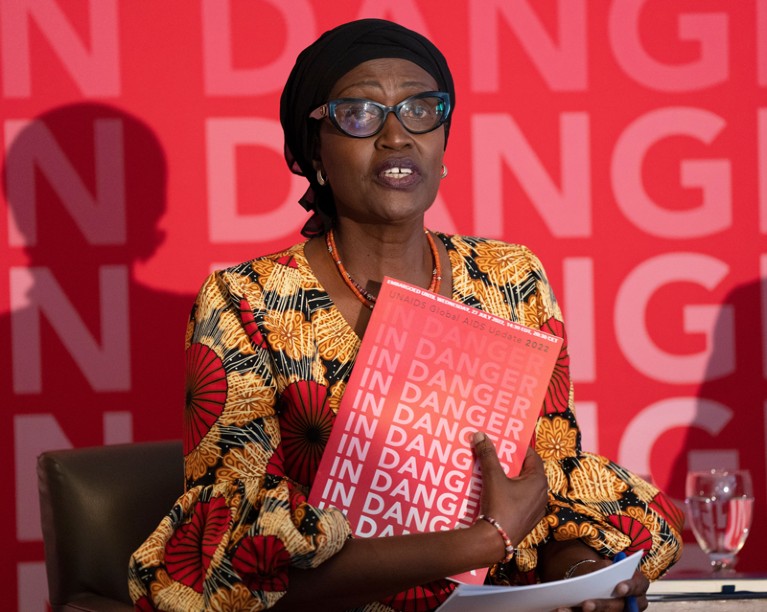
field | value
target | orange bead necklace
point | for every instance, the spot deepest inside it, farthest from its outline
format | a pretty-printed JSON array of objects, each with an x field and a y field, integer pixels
[{"x": 362, "y": 294}]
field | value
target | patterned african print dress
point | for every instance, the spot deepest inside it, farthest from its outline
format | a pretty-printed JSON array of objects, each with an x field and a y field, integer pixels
[{"x": 268, "y": 357}]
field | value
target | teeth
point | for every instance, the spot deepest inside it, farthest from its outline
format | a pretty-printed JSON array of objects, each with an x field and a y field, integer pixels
[{"x": 398, "y": 172}]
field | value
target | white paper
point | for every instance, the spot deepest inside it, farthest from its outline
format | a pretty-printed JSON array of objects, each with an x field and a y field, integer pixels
[{"x": 542, "y": 597}]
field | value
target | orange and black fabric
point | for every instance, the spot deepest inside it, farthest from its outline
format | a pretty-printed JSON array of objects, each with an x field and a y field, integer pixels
[{"x": 268, "y": 358}]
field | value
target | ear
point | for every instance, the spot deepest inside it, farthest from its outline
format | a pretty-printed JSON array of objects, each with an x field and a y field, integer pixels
[{"x": 317, "y": 164}]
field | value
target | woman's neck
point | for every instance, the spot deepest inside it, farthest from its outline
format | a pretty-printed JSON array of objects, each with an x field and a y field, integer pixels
[
  {"x": 371, "y": 252},
  {"x": 373, "y": 255}
]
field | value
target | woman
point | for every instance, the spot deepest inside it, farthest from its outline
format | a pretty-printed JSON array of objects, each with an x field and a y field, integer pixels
[{"x": 366, "y": 113}]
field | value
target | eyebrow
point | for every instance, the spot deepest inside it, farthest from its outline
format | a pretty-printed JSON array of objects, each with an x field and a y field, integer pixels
[{"x": 379, "y": 85}]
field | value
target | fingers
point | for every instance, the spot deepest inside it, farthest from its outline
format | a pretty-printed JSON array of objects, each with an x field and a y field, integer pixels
[
  {"x": 636, "y": 587},
  {"x": 483, "y": 448},
  {"x": 611, "y": 605},
  {"x": 532, "y": 463},
  {"x": 485, "y": 451},
  {"x": 517, "y": 503}
]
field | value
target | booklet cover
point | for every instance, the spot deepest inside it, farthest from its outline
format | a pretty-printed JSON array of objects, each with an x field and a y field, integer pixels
[{"x": 430, "y": 372}]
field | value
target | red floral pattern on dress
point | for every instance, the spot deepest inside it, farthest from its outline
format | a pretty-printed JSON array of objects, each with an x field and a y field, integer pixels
[
  {"x": 250, "y": 325},
  {"x": 287, "y": 260},
  {"x": 558, "y": 393},
  {"x": 668, "y": 510},
  {"x": 190, "y": 549},
  {"x": 143, "y": 605},
  {"x": 297, "y": 498},
  {"x": 266, "y": 289},
  {"x": 641, "y": 538},
  {"x": 206, "y": 389},
  {"x": 422, "y": 598},
  {"x": 262, "y": 563},
  {"x": 306, "y": 419}
]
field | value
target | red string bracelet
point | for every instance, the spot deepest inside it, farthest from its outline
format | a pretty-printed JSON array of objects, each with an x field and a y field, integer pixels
[{"x": 508, "y": 546}]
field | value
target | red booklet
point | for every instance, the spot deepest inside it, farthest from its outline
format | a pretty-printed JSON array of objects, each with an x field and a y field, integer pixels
[{"x": 430, "y": 372}]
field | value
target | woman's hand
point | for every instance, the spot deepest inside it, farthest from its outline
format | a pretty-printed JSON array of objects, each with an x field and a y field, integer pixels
[
  {"x": 518, "y": 504},
  {"x": 635, "y": 587}
]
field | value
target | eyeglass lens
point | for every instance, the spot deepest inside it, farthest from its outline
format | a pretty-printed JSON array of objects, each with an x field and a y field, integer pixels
[{"x": 364, "y": 117}]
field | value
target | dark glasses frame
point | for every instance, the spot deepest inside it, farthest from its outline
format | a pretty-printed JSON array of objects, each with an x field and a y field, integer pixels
[{"x": 329, "y": 110}]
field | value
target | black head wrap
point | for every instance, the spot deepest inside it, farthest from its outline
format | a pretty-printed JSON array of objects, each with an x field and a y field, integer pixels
[{"x": 318, "y": 68}]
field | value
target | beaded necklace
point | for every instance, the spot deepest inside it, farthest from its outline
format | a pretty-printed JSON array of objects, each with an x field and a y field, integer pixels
[{"x": 362, "y": 294}]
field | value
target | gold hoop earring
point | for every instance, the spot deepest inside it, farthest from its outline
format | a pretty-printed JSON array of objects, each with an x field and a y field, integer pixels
[
  {"x": 444, "y": 171},
  {"x": 322, "y": 180}
]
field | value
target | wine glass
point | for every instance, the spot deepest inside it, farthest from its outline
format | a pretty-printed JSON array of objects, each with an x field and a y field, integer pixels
[{"x": 720, "y": 504}]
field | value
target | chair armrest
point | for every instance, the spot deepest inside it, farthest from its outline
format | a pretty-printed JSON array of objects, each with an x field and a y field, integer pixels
[{"x": 94, "y": 603}]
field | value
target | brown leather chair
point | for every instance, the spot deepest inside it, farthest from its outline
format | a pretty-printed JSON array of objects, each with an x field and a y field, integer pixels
[{"x": 97, "y": 505}]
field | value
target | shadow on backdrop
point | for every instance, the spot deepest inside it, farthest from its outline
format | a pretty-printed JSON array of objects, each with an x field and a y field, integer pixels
[
  {"x": 729, "y": 419},
  {"x": 88, "y": 354}
]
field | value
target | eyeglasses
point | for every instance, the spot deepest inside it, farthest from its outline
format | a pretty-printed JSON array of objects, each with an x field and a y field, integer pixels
[{"x": 360, "y": 118}]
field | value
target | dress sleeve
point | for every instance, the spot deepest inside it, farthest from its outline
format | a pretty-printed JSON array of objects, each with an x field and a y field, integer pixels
[
  {"x": 231, "y": 538},
  {"x": 590, "y": 497}
]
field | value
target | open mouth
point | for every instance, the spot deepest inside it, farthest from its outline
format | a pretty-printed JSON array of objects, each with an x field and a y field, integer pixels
[{"x": 397, "y": 173}]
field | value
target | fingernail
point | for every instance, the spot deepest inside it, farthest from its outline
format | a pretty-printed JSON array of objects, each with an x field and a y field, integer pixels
[
  {"x": 622, "y": 589},
  {"x": 478, "y": 437},
  {"x": 589, "y": 606}
]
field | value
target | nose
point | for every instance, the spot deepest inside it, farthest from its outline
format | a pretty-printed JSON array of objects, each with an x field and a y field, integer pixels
[{"x": 393, "y": 134}]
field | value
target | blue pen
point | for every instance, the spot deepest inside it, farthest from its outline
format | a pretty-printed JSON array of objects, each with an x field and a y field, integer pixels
[{"x": 631, "y": 602}]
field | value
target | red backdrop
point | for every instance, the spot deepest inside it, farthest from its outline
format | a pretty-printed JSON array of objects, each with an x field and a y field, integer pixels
[{"x": 625, "y": 142}]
